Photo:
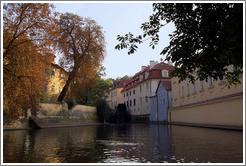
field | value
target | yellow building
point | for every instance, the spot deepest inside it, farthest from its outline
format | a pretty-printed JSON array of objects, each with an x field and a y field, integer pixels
[
  {"x": 209, "y": 103},
  {"x": 56, "y": 79},
  {"x": 114, "y": 95}
]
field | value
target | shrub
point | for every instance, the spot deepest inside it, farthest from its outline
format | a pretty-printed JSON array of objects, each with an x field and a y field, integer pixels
[{"x": 103, "y": 110}]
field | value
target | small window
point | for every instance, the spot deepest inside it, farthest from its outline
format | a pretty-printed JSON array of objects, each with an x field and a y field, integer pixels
[
  {"x": 188, "y": 89},
  {"x": 182, "y": 91},
  {"x": 223, "y": 79},
  {"x": 53, "y": 71},
  {"x": 46, "y": 87},
  {"x": 194, "y": 87},
  {"x": 146, "y": 99},
  {"x": 53, "y": 88},
  {"x": 164, "y": 73},
  {"x": 210, "y": 81},
  {"x": 46, "y": 71},
  {"x": 133, "y": 91},
  {"x": 130, "y": 103},
  {"x": 201, "y": 85},
  {"x": 141, "y": 101},
  {"x": 134, "y": 102}
]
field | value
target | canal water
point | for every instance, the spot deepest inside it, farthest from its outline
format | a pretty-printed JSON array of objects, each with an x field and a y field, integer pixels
[{"x": 138, "y": 143}]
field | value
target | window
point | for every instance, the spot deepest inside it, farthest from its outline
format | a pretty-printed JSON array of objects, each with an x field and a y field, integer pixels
[
  {"x": 130, "y": 93},
  {"x": 140, "y": 88},
  {"x": 147, "y": 86},
  {"x": 53, "y": 88},
  {"x": 194, "y": 87},
  {"x": 133, "y": 91},
  {"x": 188, "y": 89},
  {"x": 46, "y": 71},
  {"x": 46, "y": 87},
  {"x": 130, "y": 103},
  {"x": 141, "y": 101},
  {"x": 210, "y": 81},
  {"x": 124, "y": 95},
  {"x": 201, "y": 85},
  {"x": 146, "y": 99},
  {"x": 127, "y": 103},
  {"x": 134, "y": 102},
  {"x": 174, "y": 90},
  {"x": 164, "y": 73},
  {"x": 223, "y": 79},
  {"x": 53, "y": 71},
  {"x": 182, "y": 91}
]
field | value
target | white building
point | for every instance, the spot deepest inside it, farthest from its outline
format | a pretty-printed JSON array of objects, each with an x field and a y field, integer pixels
[{"x": 143, "y": 85}]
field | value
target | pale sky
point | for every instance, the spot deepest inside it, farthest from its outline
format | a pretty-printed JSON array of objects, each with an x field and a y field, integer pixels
[{"x": 119, "y": 19}]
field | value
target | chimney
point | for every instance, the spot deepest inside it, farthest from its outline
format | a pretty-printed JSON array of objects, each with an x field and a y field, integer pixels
[
  {"x": 142, "y": 68},
  {"x": 170, "y": 63},
  {"x": 156, "y": 62},
  {"x": 152, "y": 64}
]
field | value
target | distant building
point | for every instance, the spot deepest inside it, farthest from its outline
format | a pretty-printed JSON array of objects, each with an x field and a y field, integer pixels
[
  {"x": 143, "y": 85},
  {"x": 160, "y": 103},
  {"x": 207, "y": 103},
  {"x": 114, "y": 95}
]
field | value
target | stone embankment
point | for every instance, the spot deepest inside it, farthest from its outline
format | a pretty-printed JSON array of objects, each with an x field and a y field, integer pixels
[{"x": 58, "y": 115}]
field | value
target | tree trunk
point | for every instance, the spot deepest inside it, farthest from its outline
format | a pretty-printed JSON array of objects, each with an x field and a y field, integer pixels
[{"x": 65, "y": 88}]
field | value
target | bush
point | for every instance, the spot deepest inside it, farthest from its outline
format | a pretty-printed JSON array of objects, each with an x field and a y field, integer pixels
[
  {"x": 103, "y": 110},
  {"x": 71, "y": 103}
]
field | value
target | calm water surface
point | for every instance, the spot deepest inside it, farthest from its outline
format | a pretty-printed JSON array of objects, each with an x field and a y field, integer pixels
[{"x": 123, "y": 143}]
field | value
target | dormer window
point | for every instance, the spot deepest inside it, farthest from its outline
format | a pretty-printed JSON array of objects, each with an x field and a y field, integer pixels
[
  {"x": 146, "y": 75},
  {"x": 164, "y": 73},
  {"x": 141, "y": 77}
]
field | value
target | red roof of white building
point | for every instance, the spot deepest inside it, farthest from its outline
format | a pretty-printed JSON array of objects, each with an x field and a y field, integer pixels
[{"x": 154, "y": 73}]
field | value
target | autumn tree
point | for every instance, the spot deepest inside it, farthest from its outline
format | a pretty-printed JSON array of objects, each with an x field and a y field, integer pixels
[
  {"x": 82, "y": 45},
  {"x": 208, "y": 38},
  {"x": 88, "y": 90},
  {"x": 28, "y": 36}
]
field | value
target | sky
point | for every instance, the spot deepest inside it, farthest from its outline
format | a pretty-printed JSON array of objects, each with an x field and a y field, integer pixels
[{"x": 120, "y": 19}]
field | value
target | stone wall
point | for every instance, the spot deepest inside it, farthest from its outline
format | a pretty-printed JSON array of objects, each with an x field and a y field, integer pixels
[
  {"x": 50, "y": 109},
  {"x": 58, "y": 115}
]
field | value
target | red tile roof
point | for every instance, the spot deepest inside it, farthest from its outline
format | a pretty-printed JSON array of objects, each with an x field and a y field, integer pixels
[
  {"x": 154, "y": 73},
  {"x": 167, "y": 84},
  {"x": 120, "y": 84}
]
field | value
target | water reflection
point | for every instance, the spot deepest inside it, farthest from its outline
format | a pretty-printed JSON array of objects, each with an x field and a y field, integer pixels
[{"x": 123, "y": 143}]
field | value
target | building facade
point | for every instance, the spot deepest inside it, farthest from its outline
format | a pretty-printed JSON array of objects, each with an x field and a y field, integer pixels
[
  {"x": 160, "y": 103},
  {"x": 56, "y": 80},
  {"x": 143, "y": 85},
  {"x": 207, "y": 103},
  {"x": 114, "y": 95}
]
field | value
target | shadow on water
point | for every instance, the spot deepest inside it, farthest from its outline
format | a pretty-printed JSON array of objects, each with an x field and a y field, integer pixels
[{"x": 121, "y": 143}]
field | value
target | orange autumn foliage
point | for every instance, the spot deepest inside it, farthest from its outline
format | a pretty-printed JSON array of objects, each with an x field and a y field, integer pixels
[
  {"x": 83, "y": 46},
  {"x": 29, "y": 33}
]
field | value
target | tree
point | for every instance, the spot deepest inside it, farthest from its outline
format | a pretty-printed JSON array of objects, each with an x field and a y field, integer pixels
[
  {"x": 28, "y": 23},
  {"x": 88, "y": 90},
  {"x": 83, "y": 46},
  {"x": 27, "y": 40},
  {"x": 126, "y": 77},
  {"x": 208, "y": 38}
]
